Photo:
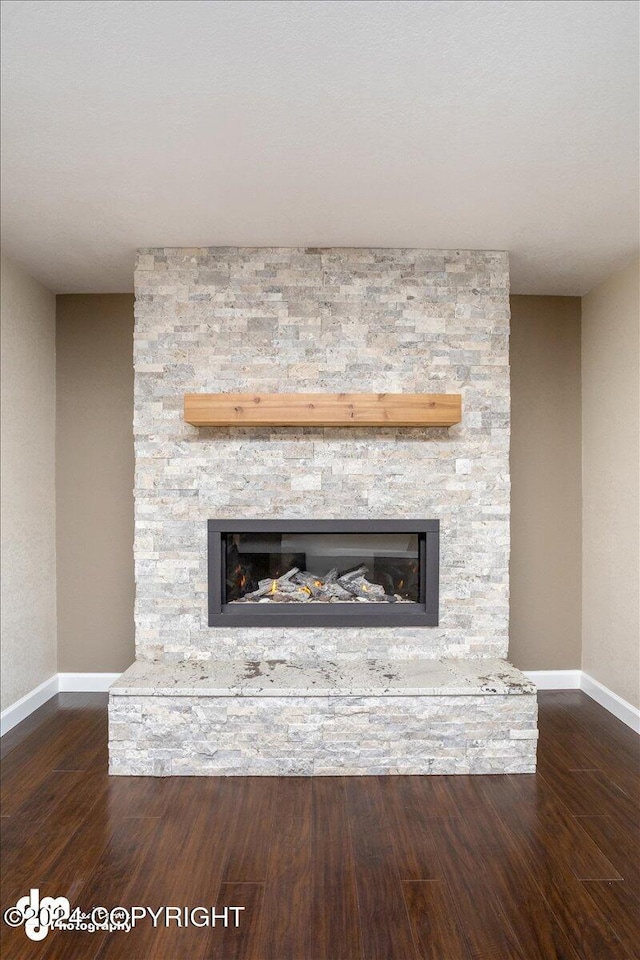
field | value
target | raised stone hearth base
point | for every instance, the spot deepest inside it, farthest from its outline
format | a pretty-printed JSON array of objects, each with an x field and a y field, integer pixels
[{"x": 274, "y": 718}]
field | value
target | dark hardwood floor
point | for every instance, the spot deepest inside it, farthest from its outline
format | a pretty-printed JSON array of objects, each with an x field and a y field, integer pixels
[{"x": 381, "y": 868}]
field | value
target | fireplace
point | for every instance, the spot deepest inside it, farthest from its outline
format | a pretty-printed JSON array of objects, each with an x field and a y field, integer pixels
[
  {"x": 337, "y": 573},
  {"x": 424, "y": 695}
]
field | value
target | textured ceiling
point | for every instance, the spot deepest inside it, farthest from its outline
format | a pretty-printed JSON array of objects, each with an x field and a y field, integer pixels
[{"x": 488, "y": 125}]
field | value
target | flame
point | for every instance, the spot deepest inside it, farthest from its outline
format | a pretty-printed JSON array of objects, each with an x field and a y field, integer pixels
[
  {"x": 318, "y": 583},
  {"x": 273, "y": 586},
  {"x": 243, "y": 580},
  {"x": 401, "y": 585},
  {"x": 365, "y": 587},
  {"x": 306, "y": 589}
]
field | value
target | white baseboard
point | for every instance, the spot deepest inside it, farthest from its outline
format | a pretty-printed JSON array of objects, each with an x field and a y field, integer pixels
[
  {"x": 100, "y": 683},
  {"x": 86, "y": 682},
  {"x": 554, "y": 679},
  {"x": 611, "y": 701},
  {"x": 579, "y": 680},
  {"x": 21, "y": 709},
  {"x": 58, "y": 683}
]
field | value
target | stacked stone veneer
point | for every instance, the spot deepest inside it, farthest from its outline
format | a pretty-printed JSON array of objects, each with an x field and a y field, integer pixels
[
  {"x": 322, "y": 736},
  {"x": 296, "y": 320}
]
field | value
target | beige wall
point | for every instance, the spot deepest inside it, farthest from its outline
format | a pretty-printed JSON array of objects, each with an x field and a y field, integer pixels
[
  {"x": 611, "y": 483},
  {"x": 95, "y": 482},
  {"x": 95, "y": 500},
  {"x": 545, "y": 623},
  {"x": 28, "y": 483}
]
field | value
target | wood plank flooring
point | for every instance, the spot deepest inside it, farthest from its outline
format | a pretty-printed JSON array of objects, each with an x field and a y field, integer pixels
[{"x": 356, "y": 868}]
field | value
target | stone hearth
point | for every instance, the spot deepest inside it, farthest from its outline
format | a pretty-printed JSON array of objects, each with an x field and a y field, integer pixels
[{"x": 273, "y": 718}]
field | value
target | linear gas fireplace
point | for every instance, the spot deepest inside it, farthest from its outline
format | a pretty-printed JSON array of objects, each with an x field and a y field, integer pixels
[{"x": 337, "y": 573}]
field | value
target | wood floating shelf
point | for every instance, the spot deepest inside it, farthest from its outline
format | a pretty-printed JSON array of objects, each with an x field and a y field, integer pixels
[{"x": 322, "y": 409}]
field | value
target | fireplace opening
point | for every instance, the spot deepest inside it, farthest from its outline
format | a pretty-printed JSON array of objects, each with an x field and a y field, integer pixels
[{"x": 343, "y": 573}]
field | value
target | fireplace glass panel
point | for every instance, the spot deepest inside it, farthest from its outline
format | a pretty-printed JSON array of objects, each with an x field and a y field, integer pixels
[{"x": 265, "y": 567}]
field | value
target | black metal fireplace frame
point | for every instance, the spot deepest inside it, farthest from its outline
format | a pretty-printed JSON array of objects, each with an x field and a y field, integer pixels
[{"x": 424, "y": 613}]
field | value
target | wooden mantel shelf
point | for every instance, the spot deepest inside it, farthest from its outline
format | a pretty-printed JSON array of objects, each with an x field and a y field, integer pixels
[{"x": 322, "y": 409}]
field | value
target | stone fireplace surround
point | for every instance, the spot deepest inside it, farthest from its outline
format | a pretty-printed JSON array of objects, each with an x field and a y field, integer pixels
[{"x": 377, "y": 699}]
